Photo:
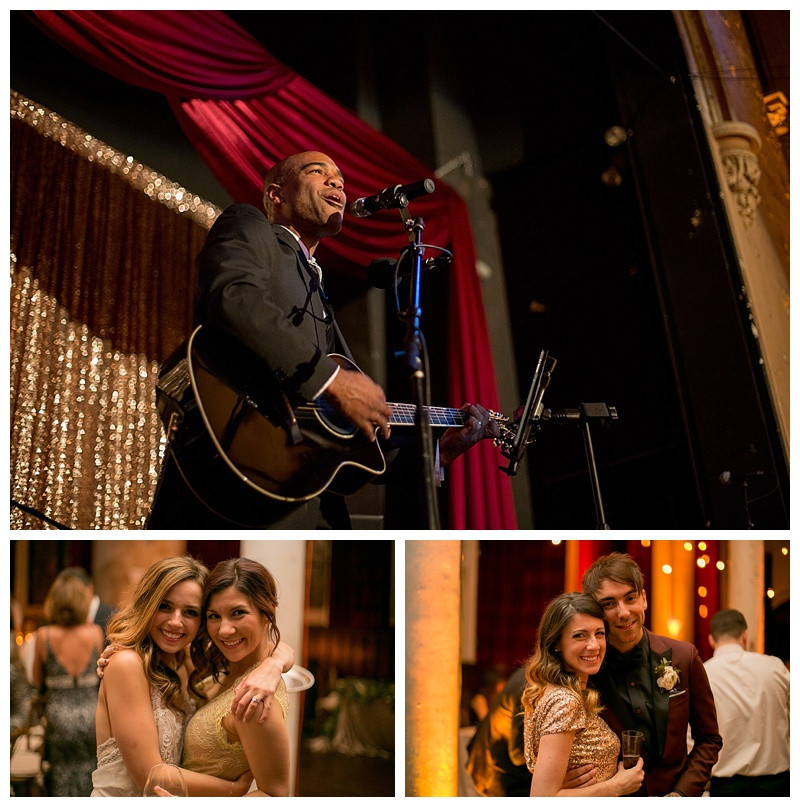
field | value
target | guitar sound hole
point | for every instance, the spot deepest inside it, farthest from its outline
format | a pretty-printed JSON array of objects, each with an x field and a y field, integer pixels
[{"x": 333, "y": 419}]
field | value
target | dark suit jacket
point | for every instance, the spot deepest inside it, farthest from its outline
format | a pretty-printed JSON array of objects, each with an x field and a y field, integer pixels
[
  {"x": 496, "y": 759},
  {"x": 252, "y": 276},
  {"x": 691, "y": 705},
  {"x": 104, "y": 612}
]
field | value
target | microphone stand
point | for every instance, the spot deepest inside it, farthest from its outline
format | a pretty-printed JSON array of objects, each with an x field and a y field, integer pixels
[
  {"x": 415, "y": 365},
  {"x": 584, "y": 414}
]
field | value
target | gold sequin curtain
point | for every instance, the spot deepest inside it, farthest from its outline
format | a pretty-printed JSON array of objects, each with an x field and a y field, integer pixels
[{"x": 102, "y": 279}]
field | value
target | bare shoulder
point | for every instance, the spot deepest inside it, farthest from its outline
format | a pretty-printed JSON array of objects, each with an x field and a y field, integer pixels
[{"x": 124, "y": 664}]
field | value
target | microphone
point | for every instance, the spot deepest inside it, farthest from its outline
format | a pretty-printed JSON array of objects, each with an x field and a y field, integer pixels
[
  {"x": 381, "y": 271},
  {"x": 390, "y": 198}
]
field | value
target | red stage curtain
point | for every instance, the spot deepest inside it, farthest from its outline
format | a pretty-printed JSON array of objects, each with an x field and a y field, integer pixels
[{"x": 243, "y": 110}]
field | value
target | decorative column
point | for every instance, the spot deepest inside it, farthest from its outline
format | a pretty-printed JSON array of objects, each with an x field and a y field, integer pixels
[
  {"x": 739, "y": 145},
  {"x": 671, "y": 590},
  {"x": 745, "y": 588},
  {"x": 433, "y": 672}
]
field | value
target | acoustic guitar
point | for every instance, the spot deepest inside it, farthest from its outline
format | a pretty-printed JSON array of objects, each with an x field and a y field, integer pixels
[{"x": 235, "y": 435}]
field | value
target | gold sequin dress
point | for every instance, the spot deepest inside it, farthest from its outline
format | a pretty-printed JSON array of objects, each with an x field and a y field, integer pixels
[
  {"x": 206, "y": 747},
  {"x": 559, "y": 710}
]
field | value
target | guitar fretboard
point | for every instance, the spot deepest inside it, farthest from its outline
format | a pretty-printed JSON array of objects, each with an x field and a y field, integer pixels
[{"x": 403, "y": 415}]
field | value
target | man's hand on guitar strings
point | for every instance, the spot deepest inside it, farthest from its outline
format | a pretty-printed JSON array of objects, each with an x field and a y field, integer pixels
[{"x": 362, "y": 401}]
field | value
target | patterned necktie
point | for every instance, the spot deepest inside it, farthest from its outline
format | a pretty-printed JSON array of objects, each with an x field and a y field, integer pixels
[{"x": 316, "y": 268}]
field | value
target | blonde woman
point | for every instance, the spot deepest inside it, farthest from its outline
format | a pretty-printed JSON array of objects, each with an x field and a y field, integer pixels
[
  {"x": 65, "y": 654},
  {"x": 146, "y": 696},
  {"x": 563, "y": 727}
]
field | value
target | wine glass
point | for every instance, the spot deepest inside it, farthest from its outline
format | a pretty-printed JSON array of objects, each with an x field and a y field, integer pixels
[{"x": 167, "y": 776}]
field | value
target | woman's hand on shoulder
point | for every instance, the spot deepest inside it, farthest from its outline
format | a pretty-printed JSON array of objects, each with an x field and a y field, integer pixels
[
  {"x": 258, "y": 689},
  {"x": 127, "y": 662},
  {"x": 105, "y": 658}
]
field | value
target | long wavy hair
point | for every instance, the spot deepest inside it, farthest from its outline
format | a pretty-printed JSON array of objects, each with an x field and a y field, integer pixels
[
  {"x": 130, "y": 627},
  {"x": 545, "y": 666},
  {"x": 257, "y": 584}
]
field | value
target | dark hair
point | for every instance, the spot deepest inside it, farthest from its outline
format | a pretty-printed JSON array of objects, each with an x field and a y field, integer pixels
[
  {"x": 728, "y": 622},
  {"x": 546, "y": 666},
  {"x": 617, "y": 567},
  {"x": 254, "y": 581}
]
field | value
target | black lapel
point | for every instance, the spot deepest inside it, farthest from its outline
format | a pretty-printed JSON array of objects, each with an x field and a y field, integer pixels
[{"x": 660, "y": 697}]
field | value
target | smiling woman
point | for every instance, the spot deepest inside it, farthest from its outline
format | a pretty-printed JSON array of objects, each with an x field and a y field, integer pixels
[
  {"x": 567, "y": 743},
  {"x": 146, "y": 693},
  {"x": 239, "y": 633}
]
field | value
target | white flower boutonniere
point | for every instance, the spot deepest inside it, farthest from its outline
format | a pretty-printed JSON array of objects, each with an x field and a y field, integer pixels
[{"x": 667, "y": 676}]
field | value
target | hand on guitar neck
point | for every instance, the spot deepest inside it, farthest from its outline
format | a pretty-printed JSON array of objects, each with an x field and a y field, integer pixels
[
  {"x": 478, "y": 425},
  {"x": 361, "y": 401}
]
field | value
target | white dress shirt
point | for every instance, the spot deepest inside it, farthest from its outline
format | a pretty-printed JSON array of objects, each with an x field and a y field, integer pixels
[{"x": 751, "y": 693}]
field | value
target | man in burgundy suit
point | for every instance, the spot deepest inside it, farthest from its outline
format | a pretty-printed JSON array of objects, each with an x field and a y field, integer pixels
[{"x": 653, "y": 684}]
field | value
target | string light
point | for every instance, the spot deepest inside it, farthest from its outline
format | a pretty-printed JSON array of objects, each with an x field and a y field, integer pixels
[
  {"x": 770, "y": 593},
  {"x": 701, "y": 563},
  {"x": 703, "y": 611},
  {"x": 645, "y": 542},
  {"x": 702, "y": 546},
  {"x": 720, "y": 565},
  {"x": 666, "y": 568},
  {"x": 688, "y": 546},
  {"x": 702, "y": 591}
]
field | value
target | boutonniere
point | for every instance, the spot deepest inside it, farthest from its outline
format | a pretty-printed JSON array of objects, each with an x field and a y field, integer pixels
[{"x": 667, "y": 677}]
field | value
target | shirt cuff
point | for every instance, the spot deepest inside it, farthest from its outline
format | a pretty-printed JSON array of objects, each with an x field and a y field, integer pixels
[{"x": 327, "y": 383}]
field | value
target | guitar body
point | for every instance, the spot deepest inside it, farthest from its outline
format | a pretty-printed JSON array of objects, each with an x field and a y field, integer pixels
[
  {"x": 242, "y": 448},
  {"x": 245, "y": 451}
]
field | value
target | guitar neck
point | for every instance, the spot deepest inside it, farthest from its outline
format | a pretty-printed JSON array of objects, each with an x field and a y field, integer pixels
[{"x": 403, "y": 415}]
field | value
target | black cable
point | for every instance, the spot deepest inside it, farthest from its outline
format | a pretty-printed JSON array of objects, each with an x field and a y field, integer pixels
[{"x": 32, "y": 512}]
